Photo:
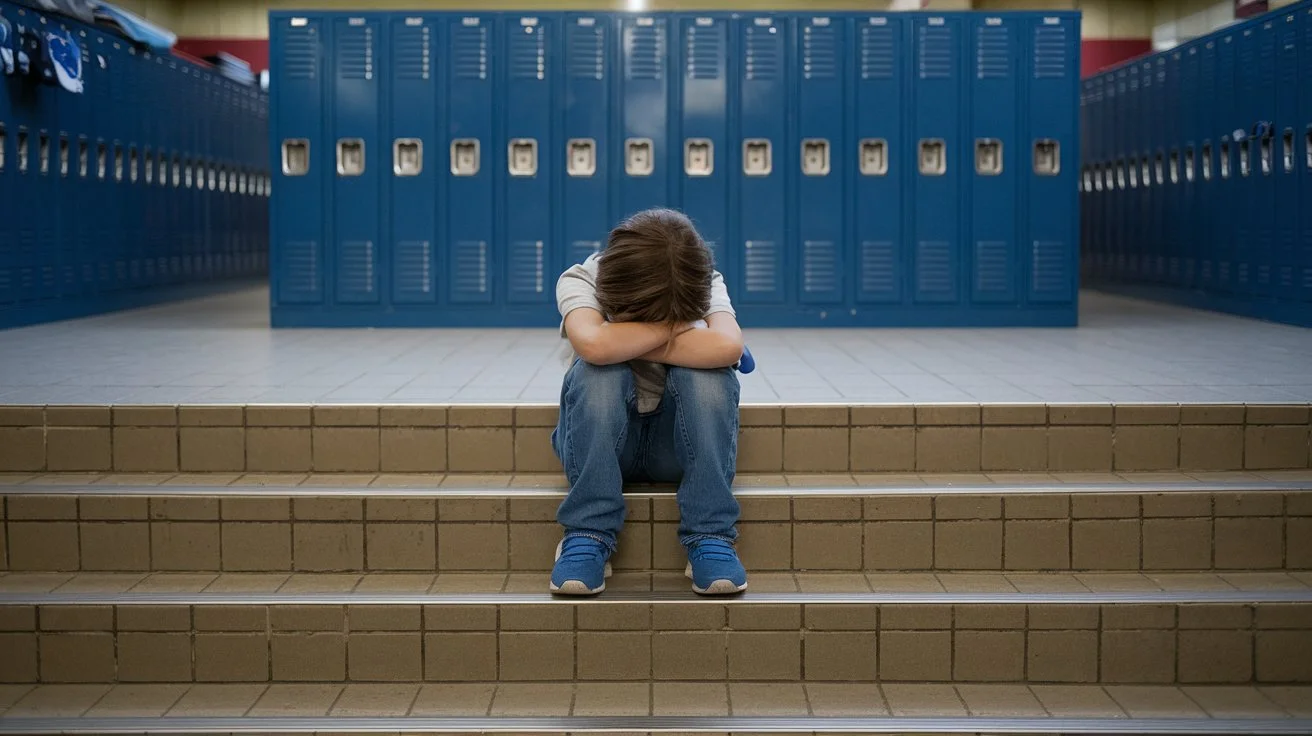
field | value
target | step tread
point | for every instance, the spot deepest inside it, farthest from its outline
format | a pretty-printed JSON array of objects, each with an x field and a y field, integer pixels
[
  {"x": 438, "y": 484},
  {"x": 643, "y": 700},
  {"x": 512, "y": 588}
]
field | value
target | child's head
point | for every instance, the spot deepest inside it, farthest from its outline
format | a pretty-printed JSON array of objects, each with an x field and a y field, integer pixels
[{"x": 655, "y": 268}]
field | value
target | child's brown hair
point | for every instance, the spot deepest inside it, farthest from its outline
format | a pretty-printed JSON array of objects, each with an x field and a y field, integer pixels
[{"x": 655, "y": 268}]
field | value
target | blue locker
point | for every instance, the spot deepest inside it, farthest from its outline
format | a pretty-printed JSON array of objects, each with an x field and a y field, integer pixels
[
  {"x": 1225, "y": 223},
  {"x": 1129, "y": 133},
  {"x": 822, "y": 174},
  {"x": 1090, "y": 262},
  {"x": 473, "y": 156},
  {"x": 940, "y": 155},
  {"x": 1206, "y": 199},
  {"x": 885, "y": 160},
  {"x": 585, "y": 111},
  {"x": 302, "y": 156},
  {"x": 1190, "y": 117},
  {"x": 415, "y": 157},
  {"x": 359, "y": 159},
  {"x": 1052, "y": 229},
  {"x": 1248, "y": 77},
  {"x": 703, "y": 140},
  {"x": 1265, "y": 139},
  {"x": 994, "y": 140},
  {"x": 1170, "y": 271},
  {"x": 760, "y": 159},
  {"x": 1285, "y": 134},
  {"x": 643, "y": 162},
  {"x": 1303, "y": 130},
  {"x": 527, "y": 246}
]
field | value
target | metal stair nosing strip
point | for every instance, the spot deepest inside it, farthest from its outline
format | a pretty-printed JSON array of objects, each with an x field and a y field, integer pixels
[{"x": 655, "y": 724}]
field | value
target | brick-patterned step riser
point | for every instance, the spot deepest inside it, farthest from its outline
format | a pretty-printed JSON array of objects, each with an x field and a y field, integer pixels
[
  {"x": 803, "y": 439},
  {"x": 1263, "y": 530},
  {"x": 1185, "y": 643}
]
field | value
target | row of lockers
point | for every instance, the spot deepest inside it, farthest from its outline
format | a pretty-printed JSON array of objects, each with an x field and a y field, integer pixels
[
  {"x": 1197, "y": 174},
  {"x": 142, "y": 172},
  {"x": 849, "y": 169}
]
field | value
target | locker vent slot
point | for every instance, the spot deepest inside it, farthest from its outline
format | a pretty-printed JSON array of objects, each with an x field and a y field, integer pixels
[
  {"x": 300, "y": 272},
  {"x": 993, "y": 52},
  {"x": 528, "y": 53},
  {"x": 414, "y": 267},
  {"x": 937, "y": 52},
  {"x": 528, "y": 267},
  {"x": 934, "y": 268},
  {"x": 1287, "y": 150},
  {"x": 412, "y": 52},
  {"x": 469, "y": 52},
  {"x": 705, "y": 52},
  {"x": 988, "y": 157},
  {"x": 820, "y": 52},
  {"x": 874, "y": 157},
  {"x": 761, "y": 257},
  {"x": 471, "y": 267},
  {"x": 878, "y": 267},
  {"x": 1207, "y": 161},
  {"x": 1048, "y": 270},
  {"x": 644, "y": 56},
  {"x": 991, "y": 272},
  {"x": 587, "y": 52},
  {"x": 355, "y": 269},
  {"x": 580, "y": 250},
  {"x": 878, "y": 52},
  {"x": 300, "y": 56},
  {"x": 761, "y": 54},
  {"x": 1050, "y": 52},
  {"x": 819, "y": 266},
  {"x": 355, "y": 52}
]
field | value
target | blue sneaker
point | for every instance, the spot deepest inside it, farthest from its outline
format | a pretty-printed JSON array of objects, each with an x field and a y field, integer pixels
[
  {"x": 582, "y": 566},
  {"x": 714, "y": 568}
]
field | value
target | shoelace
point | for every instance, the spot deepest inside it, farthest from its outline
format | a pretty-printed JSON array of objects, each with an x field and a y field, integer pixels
[
  {"x": 580, "y": 549},
  {"x": 713, "y": 549}
]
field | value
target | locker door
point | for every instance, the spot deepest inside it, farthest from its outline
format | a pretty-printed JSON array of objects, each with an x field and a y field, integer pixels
[
  {"x": 704, "y": 143},
  {"x": 1128, "y": 148},
  {"x": 528, "y": 248},
  {"x": 1285, "y": 164},
  {"x": 1265, "y": 156},
  {"x": 1303, "y": 131},
  {"x": 1209, "y": 136},
  {"x": 644, "y": 157},
  {"x": 1088, "y": 265},
  {"x": 822, "y": 175},
  {"x": 883, "y": 162},
  {"x": 760, "y": 161},
  {"x": 993, "y": 143},
  {"x": 586, "y": 105},
  {"x": 940, "y": 157},
  {"x": 301, "y": 156},
  {"x": 1225, "y": 224},
  {"x": 1050, "y": 165},
  {"x": 359, "y": 160},
  {"x": 414, "y": 157},
  {"x": 472, "y": 159},
  {"x": 9, "y": 265},
  {"x": 1190, "y": 237},
  {"x": 66, "y": 116},
  {"x": 1173, "y": 143},
  {"x": 1248, "y": 76}
]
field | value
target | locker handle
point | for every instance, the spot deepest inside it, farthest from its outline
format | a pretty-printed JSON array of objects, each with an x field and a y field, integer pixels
[
  {"x": 118, "y": 162},
  {"x": 1207, "y": 161},
  {"x": 102, "y": 156},
  {"x": 1175, "y": 166},
  {"x": 1146, "y": 172},
  {"x": 83, "y": 157},
  {"x": 639, "y": 157},
  {"x": 815, "y": 157},
  {"x": 1120, "y": 175},
  {"x": 1189, "y": 165},
  {"x": 22, "y": 151},
  {"x": 4, "y": 146},
  {"x": 698, "y": 157},
  {"x": 874, "y": 157},
  {"x": 1047, "y": 157},
  {"x": 148, "y": 166},
  {"x": 988, "y": 157},
  {"x": 933, "y": 157},
  {"x": 1225, "y": 159},
  {"x": 43, "y": 151},
  {"x": 132, "y": 164},
  {"x": 1264, "y": 146},
  {"x": 350, "y": 157},
  {"x": 581, "y": 155},
  {"x": 1159, "y": 169},
  {"x": 407, "y": 157},
  {"x": 522, "y": 157},
  {"x": 295, "y": 157},
  {"x": 1134, "y": 174},
  {"x": 757, "y": 157},
  {"x": 1287, "y": 151},
  {"x": 1307, "y": 147},
  {"x": 1245, "y": 157},
  {"x": 464, "y": 157}
]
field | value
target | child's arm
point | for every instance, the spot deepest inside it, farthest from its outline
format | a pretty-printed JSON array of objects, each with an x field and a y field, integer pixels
[
  {"x": 605, "y": 343},
  {"x": 719, "y": 345}
]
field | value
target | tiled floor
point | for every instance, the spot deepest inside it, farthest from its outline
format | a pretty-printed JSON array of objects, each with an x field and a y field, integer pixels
[
  {"x": 591, "y": 699},
  {"x": 221, "y": 350}
]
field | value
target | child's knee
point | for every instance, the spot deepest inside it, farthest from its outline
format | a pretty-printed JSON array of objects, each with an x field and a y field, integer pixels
[
  {"x": 705, "y": 391},
  {"x": 598, "y": 391}
]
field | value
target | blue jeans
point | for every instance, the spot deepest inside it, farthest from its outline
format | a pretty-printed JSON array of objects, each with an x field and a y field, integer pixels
[{"x": 692, "y": 440}]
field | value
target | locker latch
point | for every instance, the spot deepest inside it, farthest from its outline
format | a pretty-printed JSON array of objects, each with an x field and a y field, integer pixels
[
  {"x": 522, "y": 157},
  {"x": 1207, "y": 161},
  {"x": 22, "y": 151},
  {"x": 933, "y": 157},
  {"x": 407, "y": 156},
  {"x": 698, "y": 157},
  {"x": 43, "y": 150},
  {"x": 1287, "y": 150},
  {"x": 295, "y": 158},
  {"x": 757, "y": 157},
  {"x": 1047, "y": 157},
  {"x": 581, "y": 157},
  {"x": 988, "y": 157},
  {"x": 815, "y": 157},
  {"x": 874, "y": 157},
  {"x": 350, "y": 157},
  {"x": 464, "y": 157},
  {"x": 4, "y": 145},
  {"x": 639, "y": 159},
  {"x": 83, "y": 157},
  {"x": 1307, "y": 147}
]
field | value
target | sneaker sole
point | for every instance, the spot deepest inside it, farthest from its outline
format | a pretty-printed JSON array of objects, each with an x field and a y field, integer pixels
[
  {"x": 719, "y": 587},
  {"x": 578, "y": 587}
]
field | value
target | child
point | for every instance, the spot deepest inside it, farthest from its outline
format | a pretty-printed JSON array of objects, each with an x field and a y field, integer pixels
[{"x": 651, "y": 396}]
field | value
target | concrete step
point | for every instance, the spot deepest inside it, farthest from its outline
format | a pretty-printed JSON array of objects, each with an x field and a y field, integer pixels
[
  {"x": 506, "y": 523},
  {"x": 800, "y": 438},
  {"x": 686, "y": 707},
  {"x": 1127, "y": 629}
]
